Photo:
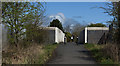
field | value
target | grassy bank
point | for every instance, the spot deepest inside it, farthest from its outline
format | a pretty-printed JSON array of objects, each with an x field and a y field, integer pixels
[
  {"x": 48, "y": 51},
  {"x": 34, "y": 54},
  {"x": 98, "y": 53}
]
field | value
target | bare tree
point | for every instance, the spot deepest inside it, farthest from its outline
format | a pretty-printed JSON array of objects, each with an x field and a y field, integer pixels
[
  {"x": 113, "y": 10},
  {"x": 76, "y": 31},
  {"x": 67, "y": 28}
]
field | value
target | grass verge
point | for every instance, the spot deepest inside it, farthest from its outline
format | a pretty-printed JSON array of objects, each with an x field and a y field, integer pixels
[
  {"x": 98, "y": 54},
  {"x": 48, "y": 51},
  {"x": 34, "y": 54}
]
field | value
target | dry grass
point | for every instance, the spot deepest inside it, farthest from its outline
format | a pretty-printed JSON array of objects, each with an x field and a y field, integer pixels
[
  {"x": 104, "y": 54},
  {"x": 20, "y": 55},
  {"x": 111, "y": 50}
]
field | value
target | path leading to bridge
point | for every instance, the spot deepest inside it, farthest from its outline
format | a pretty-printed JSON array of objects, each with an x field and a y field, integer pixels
[{"x": 72, "y": 54}]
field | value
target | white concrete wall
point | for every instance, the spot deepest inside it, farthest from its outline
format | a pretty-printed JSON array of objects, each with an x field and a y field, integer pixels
[
  {"x": 86, "y": 35},
  {"x": 54, "y": 35},
  {"x": 93, "y": 29},
  {"x": 97, "y": 28},
  {"x": 59, "y": 37}
]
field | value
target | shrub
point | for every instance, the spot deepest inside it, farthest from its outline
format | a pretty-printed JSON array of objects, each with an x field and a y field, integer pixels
[
  {"x": 111, "y": 50},
  {"x": 104, "y": 54}
]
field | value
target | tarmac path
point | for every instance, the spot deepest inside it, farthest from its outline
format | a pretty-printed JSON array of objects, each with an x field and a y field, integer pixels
[{"x": 71, "y": 53}]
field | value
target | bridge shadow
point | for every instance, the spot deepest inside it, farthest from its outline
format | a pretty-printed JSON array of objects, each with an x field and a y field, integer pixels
[
  {"x": 79, "y": 44},
  {"x": 86, "y": 56},
  {"x": 86, "y": 52}
]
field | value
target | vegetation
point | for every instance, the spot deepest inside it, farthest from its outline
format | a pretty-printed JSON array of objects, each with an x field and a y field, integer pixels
[
  {"x": 25, "y": 37},
  {"x": 48, "y": 51},
  {"x": 56, "y": 23},
  {"x": 97, "y": 25},
  {"x": 68, "y": 36},
  {"x": 67, "y": 28},
  {"x": 111, "y": 49},
  {"x": 22, "y": 19},
  {"x": 40, "y": 54},
  {"x": 76, "y": 31},
  {"x": 113, "y": 9},
  {"x": 100, "y": 54}
]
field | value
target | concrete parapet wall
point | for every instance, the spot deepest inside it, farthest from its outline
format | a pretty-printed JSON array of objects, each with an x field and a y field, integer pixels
[
  {"x": 59, "y": 36},
  {"x": 55, "y": 35},
  {"x": 92, "y": 35}
]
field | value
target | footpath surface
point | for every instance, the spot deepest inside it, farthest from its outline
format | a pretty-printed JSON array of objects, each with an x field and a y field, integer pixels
[{"x": 71, "y": 53}]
